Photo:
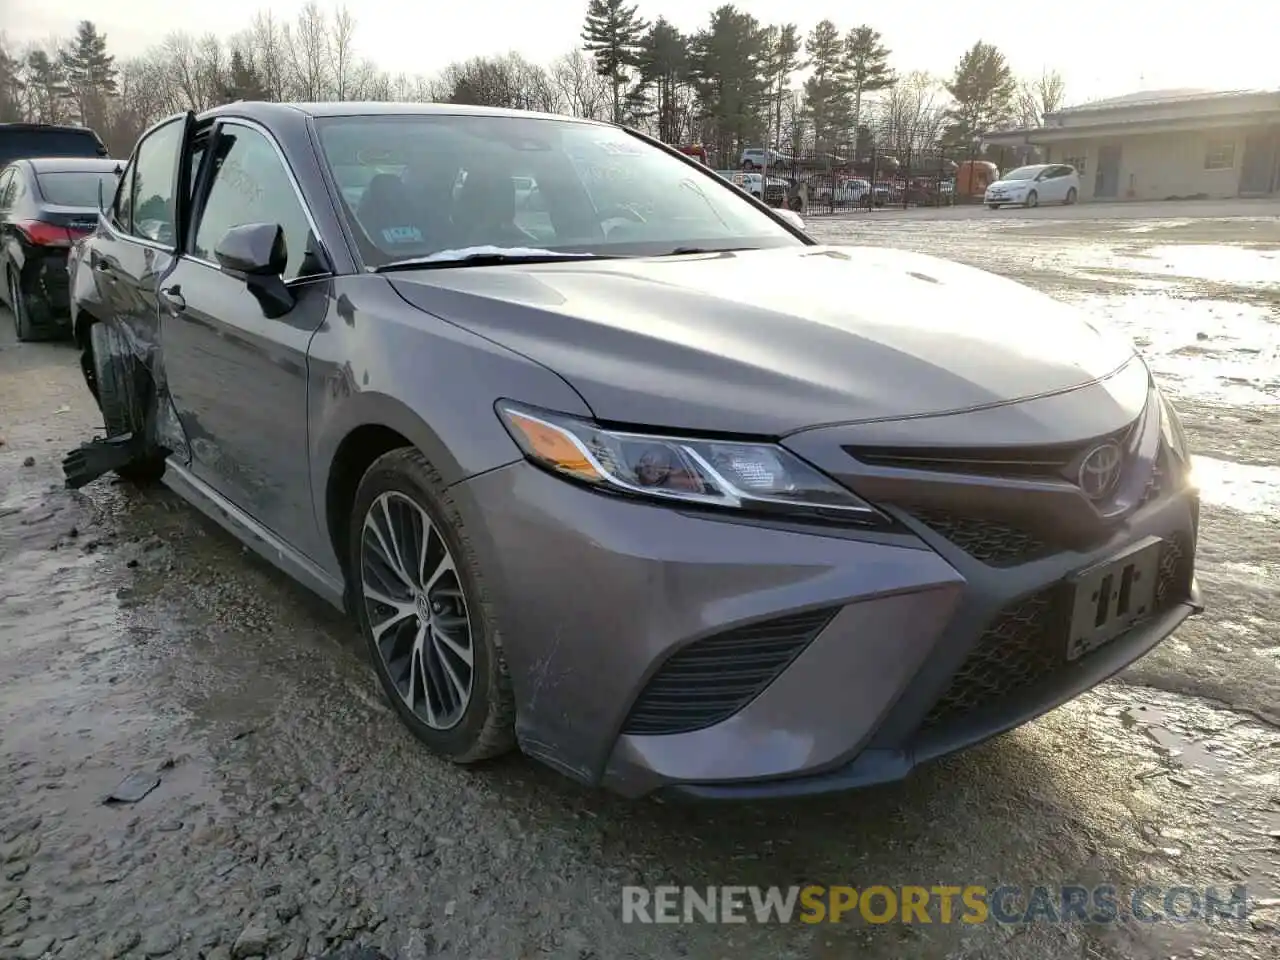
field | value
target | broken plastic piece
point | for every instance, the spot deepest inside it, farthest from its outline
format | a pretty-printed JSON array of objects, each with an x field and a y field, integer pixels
[
  {"x": 133, "y": 788},
  {"x": 91, "y": 460}
]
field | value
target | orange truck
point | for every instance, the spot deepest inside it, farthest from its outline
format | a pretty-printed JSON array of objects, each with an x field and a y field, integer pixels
[{"x": 973, "y": 177}]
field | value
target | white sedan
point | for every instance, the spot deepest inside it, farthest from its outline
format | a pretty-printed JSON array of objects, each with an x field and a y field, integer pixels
[{"x": 1034, "y": 185}]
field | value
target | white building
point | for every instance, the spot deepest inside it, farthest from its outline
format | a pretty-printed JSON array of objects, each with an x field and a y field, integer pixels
[{"x": 1166, "y": 144}]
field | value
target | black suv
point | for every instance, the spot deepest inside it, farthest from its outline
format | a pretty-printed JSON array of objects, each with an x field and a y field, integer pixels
[{"x": 19, "y": 141}]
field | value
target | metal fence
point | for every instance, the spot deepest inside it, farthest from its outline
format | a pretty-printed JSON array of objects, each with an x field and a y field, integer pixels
[{"x": 882, "y": 168}]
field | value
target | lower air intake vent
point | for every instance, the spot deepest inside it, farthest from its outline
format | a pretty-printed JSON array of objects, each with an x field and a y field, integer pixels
[{"x": 713, "y": 678}]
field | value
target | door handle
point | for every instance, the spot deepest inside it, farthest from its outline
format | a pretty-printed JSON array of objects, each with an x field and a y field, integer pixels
[{"x": 172, "y": 296}]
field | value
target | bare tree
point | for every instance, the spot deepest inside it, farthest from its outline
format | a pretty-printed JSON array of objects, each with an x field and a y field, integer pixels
[
  {"x": 308, "y": 46},
  {"x": 912, "y": 114},
  {"x": 342, "y": 55},
  {"x": 1040, "y": 96},
  {"x": 509, "y": 81},
  {"x": 268, "y": 46},
  {"x": 579, "y": 90},
  {"x": 193, "y": 72}
]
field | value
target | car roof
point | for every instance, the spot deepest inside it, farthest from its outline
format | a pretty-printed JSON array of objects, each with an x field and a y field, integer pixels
[
  {"x": 74, "y": 164},
  {"x": 266, "y": 112},
  {"x": 47, "y": 127}
]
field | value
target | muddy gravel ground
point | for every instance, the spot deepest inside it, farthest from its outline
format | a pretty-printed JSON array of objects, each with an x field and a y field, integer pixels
[{"x": 293, "y": 816}]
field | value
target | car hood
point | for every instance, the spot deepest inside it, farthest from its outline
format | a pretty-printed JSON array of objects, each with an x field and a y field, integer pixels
[{"x": 767, "y": 342}]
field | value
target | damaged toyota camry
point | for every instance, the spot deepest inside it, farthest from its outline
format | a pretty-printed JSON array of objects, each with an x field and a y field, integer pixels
[{"x": 613, "y": 463}]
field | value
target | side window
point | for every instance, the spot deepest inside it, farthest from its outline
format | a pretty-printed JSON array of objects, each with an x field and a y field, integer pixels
[
  {"x": 122, "y": 206},
  {"x": 154, "y": 176},
  {"x": 250, "y": 185}
]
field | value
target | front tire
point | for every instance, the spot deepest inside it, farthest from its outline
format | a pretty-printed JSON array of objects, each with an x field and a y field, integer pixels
[
  {"x": 117, "y": 380},
  {"x": 1033, "y": 200},
  {"x": 993, "y": 206},
  {"x": 1071, "y": 197},
  {"x": 419, "y": 595}
]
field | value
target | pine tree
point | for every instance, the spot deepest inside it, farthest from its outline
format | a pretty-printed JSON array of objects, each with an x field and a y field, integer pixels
[
  {"x": 663, "y": 61},
  {"x": 983, "y": 89},
  {"x": 90, "y": 73},
  {"x": 731, "y": 60},
  {"x": 612, "y": 34},
  {"x": 867, "y": 66},
  {"x": 47, "y": 90},
  {"x": 242, "y": 81},
  {"x": 826, "y": 92}
]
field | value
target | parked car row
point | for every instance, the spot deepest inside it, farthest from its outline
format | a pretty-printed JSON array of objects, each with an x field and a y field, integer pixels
[
  {"x": 773, "y": 192},
  {"x": 52, "y": 182}
]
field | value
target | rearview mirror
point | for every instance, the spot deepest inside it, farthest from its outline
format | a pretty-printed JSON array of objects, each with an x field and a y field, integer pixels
[
  {"x": 257, "y": 254},
  {"x": 792, "y": 218},
  {"x": 253, "y": 249}
]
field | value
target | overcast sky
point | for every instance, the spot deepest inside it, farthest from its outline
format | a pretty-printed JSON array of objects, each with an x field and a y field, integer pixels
[{"x": 1103, "y": 47}]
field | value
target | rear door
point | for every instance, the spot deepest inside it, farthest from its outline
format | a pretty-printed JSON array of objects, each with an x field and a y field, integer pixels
[{"x": 139, "y": 247}]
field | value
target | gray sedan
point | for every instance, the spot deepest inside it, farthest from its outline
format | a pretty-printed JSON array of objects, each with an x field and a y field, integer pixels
[{"x": 637, "y": 477}]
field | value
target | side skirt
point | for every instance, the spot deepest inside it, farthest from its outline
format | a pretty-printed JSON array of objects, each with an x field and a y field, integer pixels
[{"x": 253, "y": 534}]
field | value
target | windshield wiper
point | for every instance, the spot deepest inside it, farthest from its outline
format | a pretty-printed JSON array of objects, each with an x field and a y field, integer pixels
[
  {"x": 681, "y": 251},
  {"x": 485, "y": 258}
]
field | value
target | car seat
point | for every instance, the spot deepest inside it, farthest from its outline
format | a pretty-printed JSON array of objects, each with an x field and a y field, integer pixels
[
  {"x": 388, "y": 214},
  {"x": 485, "y": 208}
]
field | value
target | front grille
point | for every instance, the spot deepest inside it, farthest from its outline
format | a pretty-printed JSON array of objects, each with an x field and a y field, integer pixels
[
  {"x": 713, "y": 678},
  {"x": 1043, "y": 462},
  {"x": 992, "y": 542},
  {"x": 1026, "y": 642}
]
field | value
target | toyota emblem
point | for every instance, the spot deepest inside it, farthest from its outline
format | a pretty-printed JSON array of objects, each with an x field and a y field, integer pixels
[{"x": 1100, "y": 470}]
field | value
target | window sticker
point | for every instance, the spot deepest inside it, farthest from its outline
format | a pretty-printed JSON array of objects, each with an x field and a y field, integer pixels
[{"x": 402, "y": 235}]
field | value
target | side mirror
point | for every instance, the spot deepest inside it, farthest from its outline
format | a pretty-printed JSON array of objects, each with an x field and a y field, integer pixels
[
  {"x": 257, "y": 254},
  {"x": 792, "y": 218},
  {"x": 253, "y": 249}
]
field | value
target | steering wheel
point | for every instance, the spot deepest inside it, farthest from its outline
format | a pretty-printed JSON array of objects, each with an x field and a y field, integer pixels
[{"x": 619, "y": 212}]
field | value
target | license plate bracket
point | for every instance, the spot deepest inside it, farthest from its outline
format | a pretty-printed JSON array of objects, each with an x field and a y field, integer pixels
[{"x": 1111, "y": 596}]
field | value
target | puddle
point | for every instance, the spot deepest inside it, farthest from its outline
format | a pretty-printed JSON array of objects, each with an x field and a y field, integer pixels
[
  {"x": 1238, "y": 486},
  {"x": 1171, "y": 744}
]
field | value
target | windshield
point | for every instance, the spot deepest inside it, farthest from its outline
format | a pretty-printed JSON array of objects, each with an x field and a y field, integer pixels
[
  {"x": 79, "y": 189},
  {"x": 419, "y": 185},
  {"x": 1022, "y": 173}
]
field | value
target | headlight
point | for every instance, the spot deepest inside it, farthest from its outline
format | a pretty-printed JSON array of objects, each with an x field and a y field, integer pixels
[{"x": 760, "y": 477}]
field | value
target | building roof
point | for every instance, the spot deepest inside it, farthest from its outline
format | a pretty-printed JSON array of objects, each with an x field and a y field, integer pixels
[
  {"x": 1148, "y": 111},
  {"x": 1151, "y": 98}
]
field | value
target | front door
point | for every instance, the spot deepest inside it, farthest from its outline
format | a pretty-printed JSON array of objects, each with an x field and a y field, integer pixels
[
  {"x": 238, "y": 378},
  {"x": 1260, "y": 170},
  {"x": 1106, "y": 182}
]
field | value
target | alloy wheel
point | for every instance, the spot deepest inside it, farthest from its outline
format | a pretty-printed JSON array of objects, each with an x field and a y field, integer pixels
[{"x": 417, "y": 610}]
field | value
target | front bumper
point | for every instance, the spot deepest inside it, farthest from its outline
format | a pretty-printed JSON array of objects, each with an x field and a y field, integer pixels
[{"x": 596, "y": 595}]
